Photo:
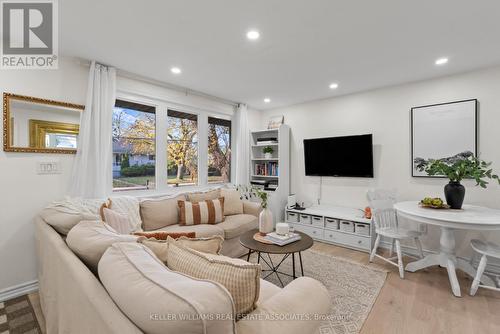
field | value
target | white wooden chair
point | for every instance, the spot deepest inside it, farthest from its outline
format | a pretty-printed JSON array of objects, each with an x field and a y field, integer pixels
[
  {"x": 385, "y": 220},
  {"x": 485, "y": 249}
]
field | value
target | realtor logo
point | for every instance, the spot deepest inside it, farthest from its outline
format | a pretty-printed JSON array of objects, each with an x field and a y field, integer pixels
[{"x": 29, "y": 34}]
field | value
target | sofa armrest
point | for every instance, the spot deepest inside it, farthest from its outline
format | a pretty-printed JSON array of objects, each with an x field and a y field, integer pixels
[
  {"x": 252, "y": 208},
  {"x": 298, "y": 308}
]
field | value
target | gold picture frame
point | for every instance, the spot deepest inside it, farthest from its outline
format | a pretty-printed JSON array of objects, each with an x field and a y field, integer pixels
[{"x": 8, "y": 129}]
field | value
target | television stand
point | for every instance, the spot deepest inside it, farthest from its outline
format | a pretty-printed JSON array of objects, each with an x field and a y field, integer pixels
[{"x": 336, "y": 225}]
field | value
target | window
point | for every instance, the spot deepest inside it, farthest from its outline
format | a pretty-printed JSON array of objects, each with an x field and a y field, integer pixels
[
  {"x": 134, "y": 159},
  {"x": 219, "y": 150},
  {"x": 182, "y": 149}
]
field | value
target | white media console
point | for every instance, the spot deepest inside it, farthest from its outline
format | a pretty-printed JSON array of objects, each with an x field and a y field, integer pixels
[{"x": 332, "y": 224}]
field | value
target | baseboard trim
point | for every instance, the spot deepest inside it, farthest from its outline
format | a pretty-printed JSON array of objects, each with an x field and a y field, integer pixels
[
  {"x": 18, "y": 290},
  {"x": 491, "y": 268}
]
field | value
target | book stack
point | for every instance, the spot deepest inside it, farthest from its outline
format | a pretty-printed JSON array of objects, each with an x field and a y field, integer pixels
[
  {"x": 282, "y": 240},
  {"x": 267, "y": 169},
  {"x": 270, "y": 140}
]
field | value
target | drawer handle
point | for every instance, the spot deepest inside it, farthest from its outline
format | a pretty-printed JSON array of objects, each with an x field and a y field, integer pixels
[
  {"x": 331, "y": 235},
  {"x": 330, "y": 220},
  {"x": 292, "y": 214},
  {"x": 346, "y": 223},
  {"x": 303, "y": 216},
  {"x": 317, "y": 218},
  {"x": 359, "y": 241},
  {"x": 314, "y": 232}
]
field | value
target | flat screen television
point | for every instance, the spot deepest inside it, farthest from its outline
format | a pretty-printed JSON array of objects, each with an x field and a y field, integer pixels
[{"x": 348, "y": 156}]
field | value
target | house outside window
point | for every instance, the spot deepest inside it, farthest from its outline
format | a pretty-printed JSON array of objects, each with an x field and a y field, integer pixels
[{"x": 134, "y": 146}]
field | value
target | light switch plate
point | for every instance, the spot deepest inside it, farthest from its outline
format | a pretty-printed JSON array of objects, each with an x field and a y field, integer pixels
[{"x": 48, "y": 167}]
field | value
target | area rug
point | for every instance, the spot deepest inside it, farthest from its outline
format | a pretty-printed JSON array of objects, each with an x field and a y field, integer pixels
[
  {"x": 18, "y": 317},
  {"x": 353, "y": 287}
]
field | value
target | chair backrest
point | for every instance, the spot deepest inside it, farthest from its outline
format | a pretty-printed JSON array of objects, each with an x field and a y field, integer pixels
[
  {"x": 382, "y": 205},
  {"x": 383, "y": 214}
]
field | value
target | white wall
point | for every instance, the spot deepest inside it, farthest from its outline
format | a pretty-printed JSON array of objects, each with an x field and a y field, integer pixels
[
  {"x": 23, "y": 192},
  {"x": 386, "y": 114}
]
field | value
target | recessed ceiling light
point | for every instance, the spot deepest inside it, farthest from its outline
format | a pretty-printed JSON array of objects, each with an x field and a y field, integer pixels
[
  {"x": 441, "y": 61},
  {"x": 267, "y": 100},
  {"x": 175, "y": 70},
  {"x": 253, "y": 35},
  {"x": 334, "y": 85}
]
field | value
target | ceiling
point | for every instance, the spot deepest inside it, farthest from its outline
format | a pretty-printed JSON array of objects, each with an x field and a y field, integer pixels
[{"x": 305, "y": 44}]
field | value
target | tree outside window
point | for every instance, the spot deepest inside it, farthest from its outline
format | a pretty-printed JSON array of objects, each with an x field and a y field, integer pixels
[{"x": 219, "y": 150}]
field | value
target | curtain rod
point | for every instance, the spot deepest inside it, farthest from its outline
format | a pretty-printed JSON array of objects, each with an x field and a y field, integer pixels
[{"x": 186, "y": 91}]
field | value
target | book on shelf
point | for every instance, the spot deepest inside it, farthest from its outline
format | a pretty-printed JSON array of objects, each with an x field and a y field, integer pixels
[
  {"x": 282, "y": 240},
  {"x": 267, "y": 169}
]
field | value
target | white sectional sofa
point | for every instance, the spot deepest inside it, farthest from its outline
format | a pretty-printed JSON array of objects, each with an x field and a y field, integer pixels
[{"x": 74, "y": 300}]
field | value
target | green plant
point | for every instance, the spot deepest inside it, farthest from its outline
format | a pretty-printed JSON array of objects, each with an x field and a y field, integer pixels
[
  {"x": 268, "y": 149},
  {"x": 144, "y": 170},
  {"x": 249, "y": 192},
  {"x": 461, "y": 166}
]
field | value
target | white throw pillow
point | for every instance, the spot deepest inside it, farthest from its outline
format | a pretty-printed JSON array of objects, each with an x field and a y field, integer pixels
[
  {"x": 148, "y": 293},
  {"x": 118, "y": 221},
  {"x": 90, "y": 239},
  {"x": 128, "y": 206}
]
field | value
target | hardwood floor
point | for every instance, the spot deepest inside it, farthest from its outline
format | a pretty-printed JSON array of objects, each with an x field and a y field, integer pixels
[
  {"x": 423, "y": 302},
  {"x": 420, "y": 303}
]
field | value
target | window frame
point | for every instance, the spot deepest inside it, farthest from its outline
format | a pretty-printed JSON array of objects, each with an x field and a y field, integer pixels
[{"x": 162, "y": 106}]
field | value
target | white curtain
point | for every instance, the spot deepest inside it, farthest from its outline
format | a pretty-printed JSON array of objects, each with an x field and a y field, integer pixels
[
  {"x": 242, "y": 141},
  {"x": 92, "y": 172}
]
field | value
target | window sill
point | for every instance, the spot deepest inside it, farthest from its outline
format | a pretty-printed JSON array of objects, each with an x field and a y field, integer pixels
[{"x": 168, "y": 191}]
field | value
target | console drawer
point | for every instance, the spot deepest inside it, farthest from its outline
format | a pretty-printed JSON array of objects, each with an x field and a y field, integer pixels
[
  {"x": 292, "y": 217},
  {"x": 331, "y": 223},
  {"x": 346, "y": 226},
  {"x": 350, "y": 240},
  {"x": 362, "y": 229},
  {"x": 305, "y": 219},
  {"x": 313, "y": 232},
  {"x": 317, "y": 221}
]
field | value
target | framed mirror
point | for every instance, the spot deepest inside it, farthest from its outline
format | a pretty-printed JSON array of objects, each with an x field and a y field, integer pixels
[{"x": 32, "y": 124}]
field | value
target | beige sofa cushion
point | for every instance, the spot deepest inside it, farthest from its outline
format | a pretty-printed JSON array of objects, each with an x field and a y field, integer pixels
[
  {"x": 236, "y": 225},
  {"x": 240, "y": 278},
  {"x": 212, "y": 245},
  {"x": 203, "y": 196},
  {"x": 148, "y": 293},
  {"x": 201, "y": 231},
  {"x": 233, "y": 205},
  {"x": 63, "y": 222},
  {"x": 160, "y": 212},
  {"x": 90, "y": 239}
]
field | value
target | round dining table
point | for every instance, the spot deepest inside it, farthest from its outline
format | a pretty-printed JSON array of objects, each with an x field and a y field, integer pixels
[{"x": 470, "y": 217}]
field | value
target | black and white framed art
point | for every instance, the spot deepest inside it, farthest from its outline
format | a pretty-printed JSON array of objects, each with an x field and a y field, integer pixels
[{"x": 443, "y": 130}]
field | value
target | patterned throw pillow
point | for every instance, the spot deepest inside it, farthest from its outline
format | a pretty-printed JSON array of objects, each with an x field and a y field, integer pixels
[
  {"x": 205, "y": 212},
  {"x": 240, "y": 278},
  {"x": 163, "y": 235}
]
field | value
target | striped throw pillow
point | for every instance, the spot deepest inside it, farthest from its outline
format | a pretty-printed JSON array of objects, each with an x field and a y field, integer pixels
[{"x": 204, "y": 212}]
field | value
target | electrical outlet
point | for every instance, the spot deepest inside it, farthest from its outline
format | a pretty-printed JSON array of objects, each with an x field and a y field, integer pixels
[{"x": 48, "y": 167}]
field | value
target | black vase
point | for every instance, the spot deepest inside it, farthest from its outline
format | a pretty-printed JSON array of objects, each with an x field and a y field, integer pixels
[{"x": 454, "y": 193}]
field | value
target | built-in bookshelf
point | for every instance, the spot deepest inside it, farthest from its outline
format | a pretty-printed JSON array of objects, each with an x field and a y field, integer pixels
[{"x": 272, "y": 172}]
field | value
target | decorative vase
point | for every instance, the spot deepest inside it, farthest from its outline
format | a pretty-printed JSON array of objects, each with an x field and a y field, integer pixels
[
  {"x": 454, "y": 193},
  {"x": 268, "y": 155},
  {"x": 266, "y": 222}
]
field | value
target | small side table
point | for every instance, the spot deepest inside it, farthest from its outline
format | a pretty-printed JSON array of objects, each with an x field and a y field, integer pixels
[{"x": 254, "y": 246}]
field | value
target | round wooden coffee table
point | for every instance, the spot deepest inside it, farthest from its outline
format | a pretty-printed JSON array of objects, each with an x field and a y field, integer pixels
[{"x": 254, "y": 246}]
